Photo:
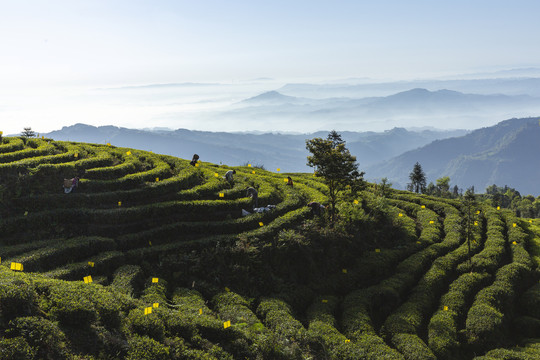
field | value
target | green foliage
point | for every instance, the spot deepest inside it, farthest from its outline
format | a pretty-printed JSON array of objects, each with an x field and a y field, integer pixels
[
  {"x": 418, "y": 179},
  {"x": 335, "y": 164},
  {"x": 46, "y": 339},
  {"x": 15, "y": 349},
  {"x": 17, "y": 298},
  {"x": 390, "y": 279},
  {"x": 145, "y": 348}
]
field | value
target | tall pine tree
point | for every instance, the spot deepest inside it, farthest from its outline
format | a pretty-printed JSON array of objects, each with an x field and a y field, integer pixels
[{"x": 418, "y": 179}]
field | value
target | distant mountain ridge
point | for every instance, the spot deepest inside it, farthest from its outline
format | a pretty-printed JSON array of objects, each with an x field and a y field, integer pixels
[
  {"x": 505, "y": 154},
  {"x": 284, "y": 151},
  {"x": 416, "y": 107}
]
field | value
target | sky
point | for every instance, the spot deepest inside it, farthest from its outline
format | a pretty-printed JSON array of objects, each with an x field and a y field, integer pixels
[{"x": 52, "y": 52}]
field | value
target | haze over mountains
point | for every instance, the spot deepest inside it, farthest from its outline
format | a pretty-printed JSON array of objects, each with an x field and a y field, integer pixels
[
  {"x": 271, "y": 105},
  {"x": 505, "y": 154},
  {"x": 416, "y": 107},
  {"x": 266, "y": 122},
  {"x": 273, "y": 150}
]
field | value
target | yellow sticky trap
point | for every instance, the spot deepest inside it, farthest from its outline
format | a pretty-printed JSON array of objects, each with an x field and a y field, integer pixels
[
  {"x": 431, "y": 222},
  {"x": 261, "y": 224},
  {"x": 344, "y": 271},
  {"x": 128, "y": 153},
  {"x": 347, "y": 340},
  {"x": 324, "y": 301},
  {"x": 226, "y": 324},
  {"x": 476, "y": 223},
  {"x": 76, "y": 155},
  {"x": 119, "y": 203},
  {"x": 87, "y": 279},
  {"x": 253, "y": 172},
  {"x": 91, "y": 264},
  {"x": 216, "y": 174},
  {"x": 400, "y": 215},
  {"x": 445, "y": 308},
  {"x": 155, "y": 305},
  {"x": 157, "y": 179},
  {"x": 278, "y": 169},
  {"x": 514, "y": 243},
  {"x": 147, "y": 310},
  {"x": 16, "y": 266},
  {"x": 249, "y": 165},
  {"x": 355, "y": 202},
  {"x": 221, "y": 194},
  {"x": 423, "y": 206},
  {"x": 155, "y": 280},
  {"x": 378, "y": 250},
  {"x": 227, "y": 289},
  {"x": 200, "y": 311},
  {"x": 1, "y": 133},
  {"x": 25, "y": 213},
  {"x": 498, "y": 208},
  {"x": 514, "y": 225}
]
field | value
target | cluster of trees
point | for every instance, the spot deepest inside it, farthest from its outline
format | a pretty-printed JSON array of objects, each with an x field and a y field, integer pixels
[
  {"x": 509, "y": 198},
  {"x": 441, "y": 188},
  {"x": 505, "y": 197}
]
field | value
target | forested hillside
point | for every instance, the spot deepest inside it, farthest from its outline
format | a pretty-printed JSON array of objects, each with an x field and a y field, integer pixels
[
  {"x": 151, "y": 258},
  {"x": 504, "y": 154}
]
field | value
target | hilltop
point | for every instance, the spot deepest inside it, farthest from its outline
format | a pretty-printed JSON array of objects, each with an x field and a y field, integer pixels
[
  {"x": 151, "y": 258},
  {"x": 504, "y": 154},
  {"x": 273, "y": 150}
]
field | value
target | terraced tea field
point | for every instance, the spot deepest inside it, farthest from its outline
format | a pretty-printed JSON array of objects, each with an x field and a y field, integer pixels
[{"x": 150, "y": 258}]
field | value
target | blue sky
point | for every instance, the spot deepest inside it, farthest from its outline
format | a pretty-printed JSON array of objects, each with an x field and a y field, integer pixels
[
  {"x": 49, "y": 48},
  {"x": 116, "y": 42}
]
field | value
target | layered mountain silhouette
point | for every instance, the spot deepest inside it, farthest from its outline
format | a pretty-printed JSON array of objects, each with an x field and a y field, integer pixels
[
  {"x": 284, "y": 151},
  {"x": 415, "y": 107},
  {"x": 505, "y": 154}
]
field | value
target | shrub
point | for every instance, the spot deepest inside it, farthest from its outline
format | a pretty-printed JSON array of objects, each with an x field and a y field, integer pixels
[
  {"x": 486, "y": 324},
  {"x": 150, "y": 325},
  {"x": 45, "y": 337},
  {"x": 15, "y": 349},
  {"x": 128, "y": 279},
  {"x": 412, "y": 347},
  {"x": 277, "y": 315},
  {"x": 17, "y": 298},
  {"x": 530, "y": 301},
  {"x": 71, "y": 307},
  {"x": 145, "y": 348}
]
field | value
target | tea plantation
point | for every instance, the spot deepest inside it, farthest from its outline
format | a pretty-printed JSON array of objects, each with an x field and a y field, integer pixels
[{"x": 151, "y": 258}]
